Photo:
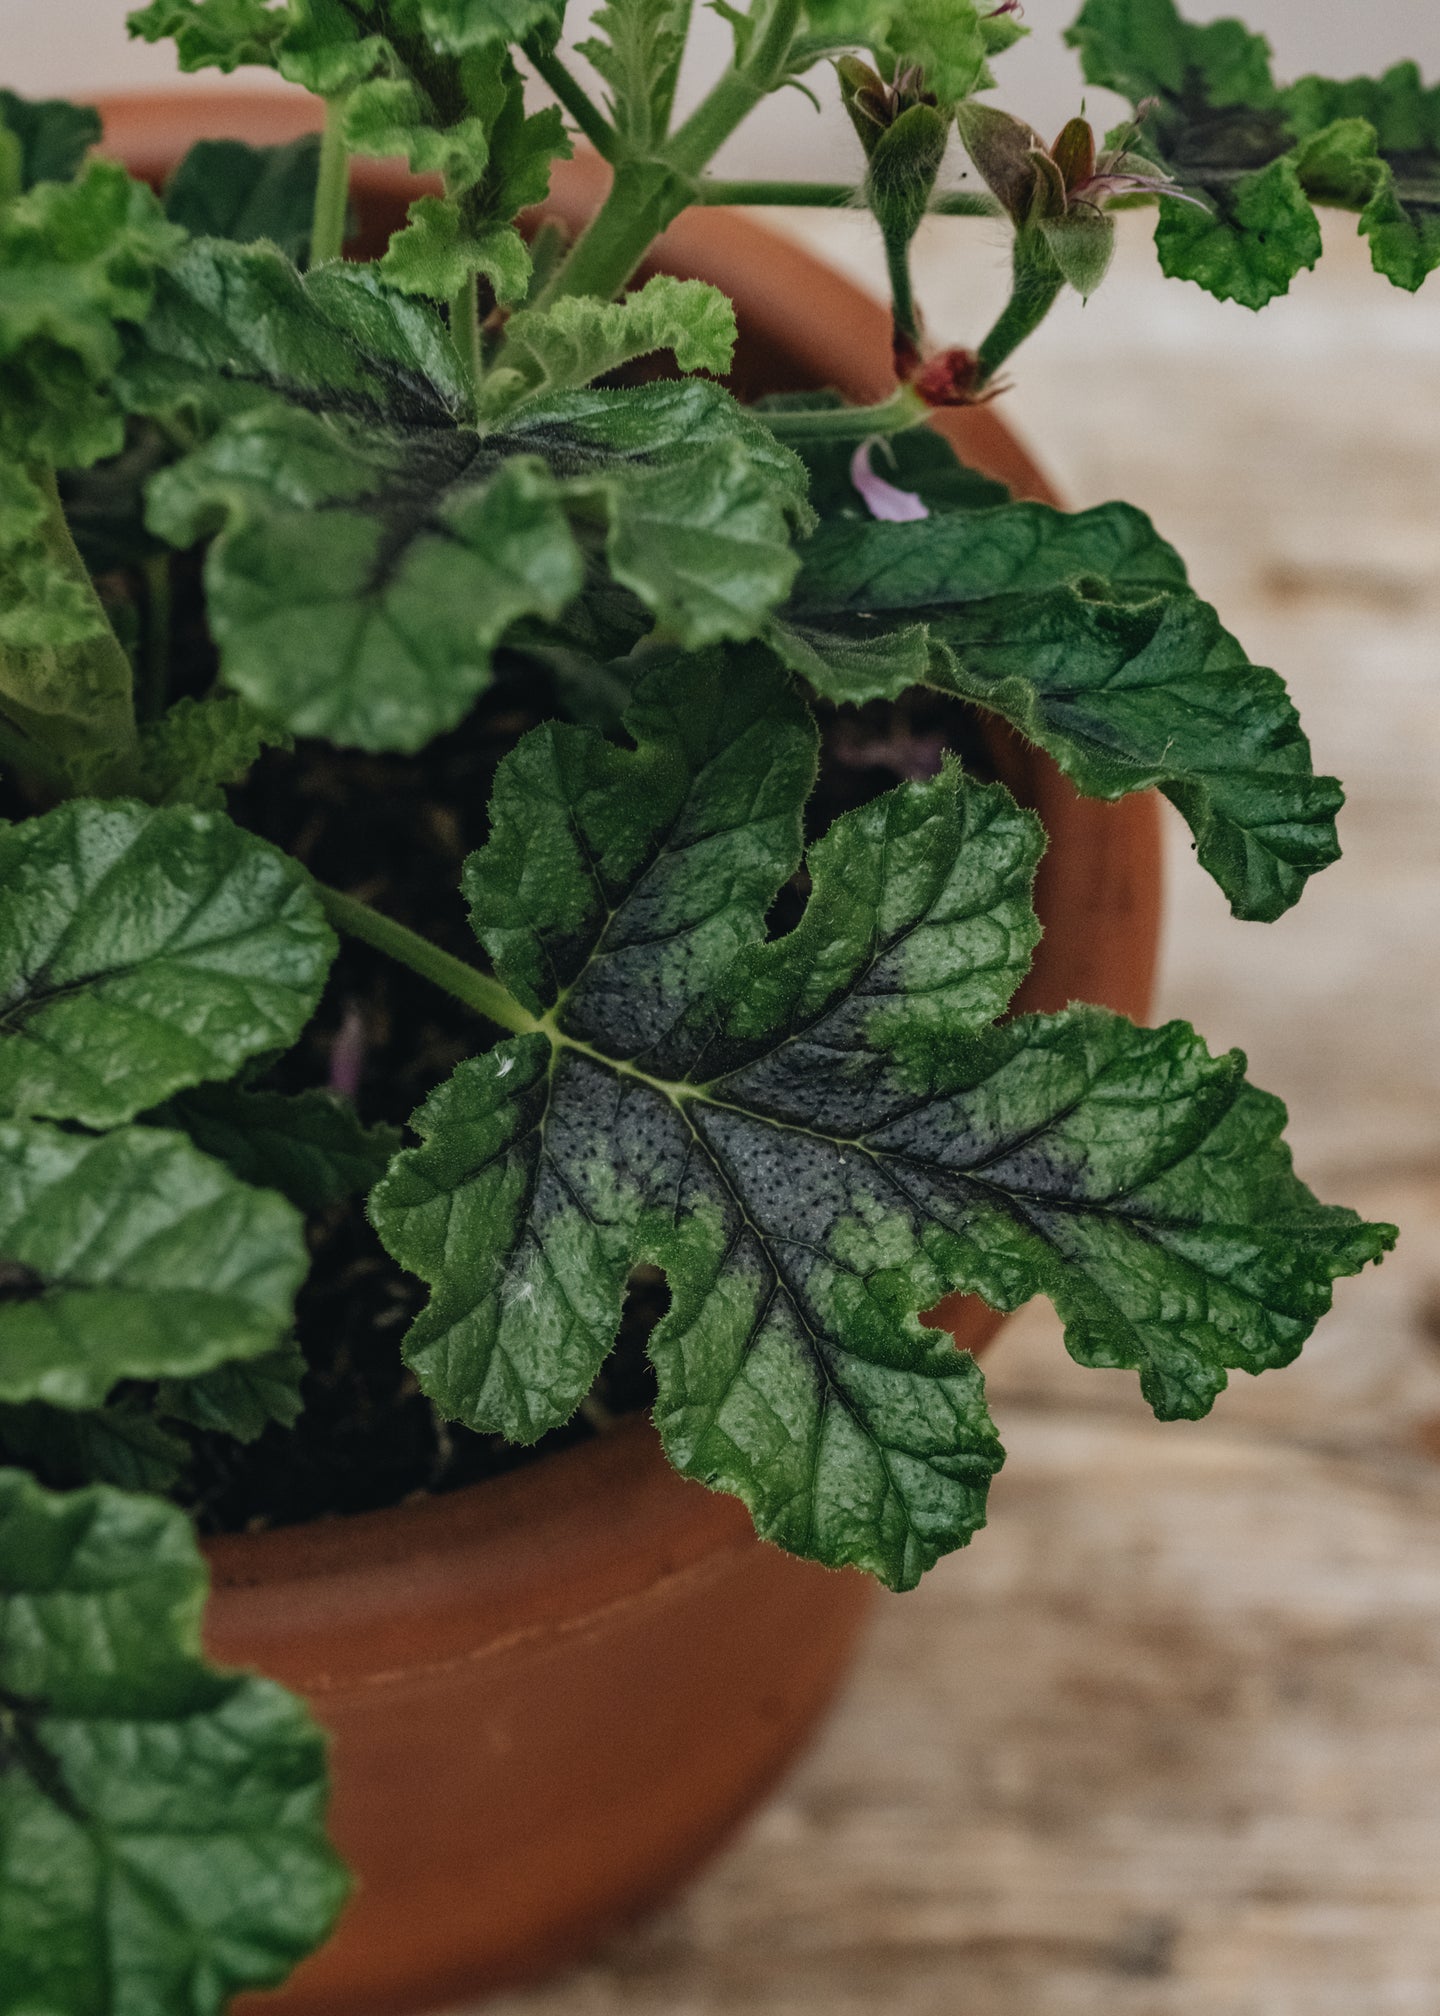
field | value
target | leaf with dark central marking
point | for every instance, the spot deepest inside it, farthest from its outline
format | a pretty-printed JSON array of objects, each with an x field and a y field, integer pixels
[{"x": 819, "y": 1137}]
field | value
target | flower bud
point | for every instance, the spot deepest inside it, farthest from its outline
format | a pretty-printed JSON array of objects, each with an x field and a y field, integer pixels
[
  {"x": 903, "y": 166},
  {"x": 1080, "y": 242}
]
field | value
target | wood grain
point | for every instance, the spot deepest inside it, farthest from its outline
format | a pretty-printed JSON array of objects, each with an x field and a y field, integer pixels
[{"x": 1166, "y": 1740}]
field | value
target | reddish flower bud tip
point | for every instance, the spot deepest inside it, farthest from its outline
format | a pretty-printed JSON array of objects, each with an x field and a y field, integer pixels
[{"x": 949, "y": 378}]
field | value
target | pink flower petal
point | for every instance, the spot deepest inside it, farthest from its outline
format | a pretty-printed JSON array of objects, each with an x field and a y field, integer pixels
[{"x": 883, "y": 500}]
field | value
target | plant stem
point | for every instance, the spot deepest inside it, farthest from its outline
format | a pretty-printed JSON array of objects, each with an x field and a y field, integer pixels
[
  {"x": 574, "y": 97},
  {"x": 904, "y": 408},
  {"x": 1036, "y": 287},
  {"x": 649, "y": 192},
  {"x": 466, "y": 983},
  {"x": 465, "y": 332},
  {"x": 831, "y": 196},
  {"x": 902, "y": 295},
  {"x": 332, "y": 189}
]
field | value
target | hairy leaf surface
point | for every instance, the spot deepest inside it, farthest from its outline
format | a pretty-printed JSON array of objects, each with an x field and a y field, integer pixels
[
  {"x": 162, "y": 1841},
  {"x": 819, "y": 1137},
  {"x": 213, "y": 34},
  {"x": 131, "y": 1255},
  {"x": 1079, "y": 631},
  {"x": 579, "y": 339},
  {"x": 373, "y": 548},
  {"x": 145, "y": 950}
]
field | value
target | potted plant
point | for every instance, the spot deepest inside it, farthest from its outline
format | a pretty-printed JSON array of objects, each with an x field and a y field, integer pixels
[{"x": 326, "y": 584}]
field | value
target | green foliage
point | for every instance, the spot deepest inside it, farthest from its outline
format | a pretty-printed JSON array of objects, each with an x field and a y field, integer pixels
[
  {"x": 309, "y": 1145},
  {"x": 142, "y": 951},
  {"x": 213, "y": 34},
  {"x": 818, "y": 1138},
  {"x": 242, "y": 1398},
  {"x": 344, "y": 440},
  {"x": 1078, "y": 630},
  {"x": 1261, "y": 155},
  {"x": 224, "y": 189},
  {"x": 130, "y": 1255},
  {"x": 578, "y": 340},
  {"x": 637, "y": 53},
  {"x": 947, "y": 39},
  {"x": 161, "y": 1823},
  {"x": 51, "y": 137},
  {"x": 121, "y": 1444}
]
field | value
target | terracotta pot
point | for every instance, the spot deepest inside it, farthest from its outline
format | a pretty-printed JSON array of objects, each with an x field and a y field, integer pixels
[{"x": 551, "y": 1695}]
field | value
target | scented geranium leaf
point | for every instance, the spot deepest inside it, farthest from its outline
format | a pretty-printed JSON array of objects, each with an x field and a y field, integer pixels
[
  {"x": 946, "y": 39},
  {"x": 438, "y": 252},
  {"x": 310, "y": 1146},
  {"x": 1126, "y": 679},
  {"x": 142, "y": 951},
  {"x": 332, "y": 46},
  {"x": 162, "y": 1839},
  {"x": 372, "y": 548},
  {"x": 213, "y": 34},
  {"x": 77, "y": 259},
  {"x": 817, "y": 1138},
  {"x": 51, "y": 135},
  {"x": 392, "y": 115},
  {"x": 363, "y": 579},
  {"x": 130, "y": 1255},
  {"x": 122, "y": 1444},
  {"x": 235, "y": 329},
  {"x": 1259, "y": 235},
  {"x": 224, "y": 189},
  {"x": 637, "y": 51},
  {"x": 242, "y": 1398},
  {"x": 463, "y": 25},
  {"x": 1373, "y": 145},
  {"x": 1146, "y": 49},
  {"x": 187, "y": 756},
  {"x": 580, "y": 339}
]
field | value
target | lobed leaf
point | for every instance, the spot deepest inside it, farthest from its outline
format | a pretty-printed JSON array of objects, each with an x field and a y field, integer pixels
[
  {"x": 819, "y": 1137},
  {"x": 162, "y": 1840},
  {"x": 373, "y": 549},
  {"x": 213, "y": 34},
  {"x": 145, "y": 950},
  {"x": 130, "y": 1255},
  {"x": 121, "y": 1444},
  {"x": 637, "y": 51},
  {"x": 242, "y": 1398},
  {"x": 579, "y": 339},
  {"x": 1079, "y": 631}
]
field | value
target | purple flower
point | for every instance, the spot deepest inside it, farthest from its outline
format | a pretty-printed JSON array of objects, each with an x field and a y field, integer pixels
[{"x": 883, "y": 500}]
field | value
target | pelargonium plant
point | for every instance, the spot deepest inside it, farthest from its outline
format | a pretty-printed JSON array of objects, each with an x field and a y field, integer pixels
[{"x": 303, "y": 559}]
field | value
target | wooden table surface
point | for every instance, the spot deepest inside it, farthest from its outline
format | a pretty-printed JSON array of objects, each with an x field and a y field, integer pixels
[{"x": 1166, "y": 1740}]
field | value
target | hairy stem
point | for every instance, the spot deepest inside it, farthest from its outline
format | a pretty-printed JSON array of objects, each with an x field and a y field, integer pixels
[
  {"x": 574, "y": 97},
  {"x": 649, "y": 192},
  {"x": 904, "y": 408},
  {"x": 332, "y": 189},
  {"x": 715, "y": 189},
  {"x": 1034, "y": 291},
  {"x": 902, "y": 295},
  {"x": 465, "y": 332},
  {"x": 466, "y": 983}
]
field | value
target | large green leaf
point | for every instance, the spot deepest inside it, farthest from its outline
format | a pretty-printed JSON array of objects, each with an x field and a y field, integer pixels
[
  {"x": 1373, "y": 145},
  {"x": 819, "y": 1137},
  {"x": 162, "y": 1840},
  {"x": 373, "y": 548},
  {"x": 1079, "y": 631},
  {"x": 948, "y": 40},
  {"x": 50, "y": 135},
  {"x": 131, "y": 1255},
  {"x": 142, "y": 951}
]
